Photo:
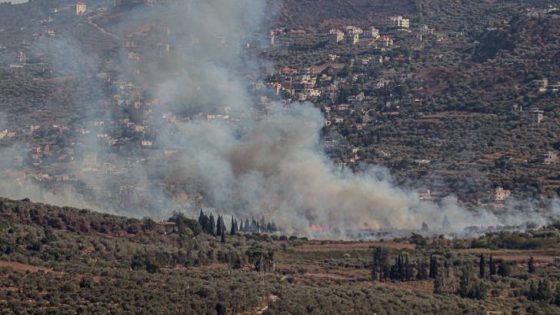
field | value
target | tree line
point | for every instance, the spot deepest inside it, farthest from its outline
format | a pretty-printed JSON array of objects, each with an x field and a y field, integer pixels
[
  {"x": 471, "y": 284},
  {"x": 216, "y": 226}
]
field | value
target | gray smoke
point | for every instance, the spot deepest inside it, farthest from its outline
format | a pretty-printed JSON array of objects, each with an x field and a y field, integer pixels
[{"x": 245, "y": 163}]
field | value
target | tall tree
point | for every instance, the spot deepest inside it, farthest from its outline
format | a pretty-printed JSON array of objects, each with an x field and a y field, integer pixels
[
  {"x": 492, "y": 266},
  {"x": 481, "y": 267},
  {"x": 219, "y": 225},
  {"x": 220, "y": 309},
  {"x": 201, "y": 217},
  {"x": 203, "y": 221},
  {"x": 531, "y": 265},
  {"x": 233, "y": 229},
  {"x": 433, "y": 267},
  {"x": 421, "y": 272},
  {"x": 222, "y": 224},
  {"x": 409, "y": 269},
  {"x": 212, "y": 225},
  {"x": 223, "y": 236},
  {"x": 503, "y": 269},
  {"x": 380, "y": 261}
]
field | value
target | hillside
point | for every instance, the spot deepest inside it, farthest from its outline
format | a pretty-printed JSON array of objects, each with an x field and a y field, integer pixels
[
  {"x": 368, "y": 121},
  {"x": 455, "y": 91},
  {"x": 71, "y": 260},
  {"x": 313, "y": 13}
]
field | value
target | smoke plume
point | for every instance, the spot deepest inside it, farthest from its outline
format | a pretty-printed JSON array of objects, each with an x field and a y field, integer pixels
[{"x": 234, "y": 154}]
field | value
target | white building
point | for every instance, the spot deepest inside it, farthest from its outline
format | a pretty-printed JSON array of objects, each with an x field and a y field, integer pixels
[
  {"x": 399, "y": 21},
  {"x": 536, "y": 116},
  {"x": 373, "y": 33},
  {"x": 549, "y": 158},
  {"x": 501, "y": 194},
  {"x": 387, "y": 41},
  {"x": 337, "y": 34},
  {"x": 354, "y": 33},
  {"x": 81, "y": 8}
]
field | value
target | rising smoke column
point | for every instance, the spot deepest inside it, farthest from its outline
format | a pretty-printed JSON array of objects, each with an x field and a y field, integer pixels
[
  {"x": 273, "y": 166},
  {"x": 254, "y": 165}
]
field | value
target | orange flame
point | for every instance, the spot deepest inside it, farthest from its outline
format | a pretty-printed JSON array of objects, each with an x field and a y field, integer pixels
[{"x": 317, "y": 228}]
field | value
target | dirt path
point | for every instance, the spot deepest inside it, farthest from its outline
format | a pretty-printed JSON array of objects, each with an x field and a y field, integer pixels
[{"x": 102, "y": 30}]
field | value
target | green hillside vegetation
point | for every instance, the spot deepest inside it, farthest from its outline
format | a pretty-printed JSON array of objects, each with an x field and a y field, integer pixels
[{"x": 67, "y": 260}]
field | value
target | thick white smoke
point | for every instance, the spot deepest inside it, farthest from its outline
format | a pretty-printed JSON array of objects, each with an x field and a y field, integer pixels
[
  {"x": 273, "y": 166},
  {"x": 249, "y": 164}
]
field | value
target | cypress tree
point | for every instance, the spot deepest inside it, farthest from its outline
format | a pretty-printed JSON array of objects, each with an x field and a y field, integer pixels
[
  {"x": 492, "y": 266},
  {"x": 481, "y": 266},
  {"x": 203, "y": 221},
  {"x": 219, "y": 226},
  {"x": 223, "y": 236},
  {"x": 408, "y": 269},
  {"x": 375, "y": 266},
  {"x": 379, "y": 266},
  {"x": 220, "y": 309},
  {"x": 531, "y": 265},
  {"x": 201, "y": 217},
  {"x": 433, "y": 267},
  {"x": 211, "y": 225},
  {"x": 421, "y": 270},
  {"x": 233, "y": 230},
  {"x": 399, "y": 272},
  {"x": 222, "y": 224}
]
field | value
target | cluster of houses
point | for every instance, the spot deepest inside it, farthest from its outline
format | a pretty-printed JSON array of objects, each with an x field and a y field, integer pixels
[{"x": 353, "y": 35}]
